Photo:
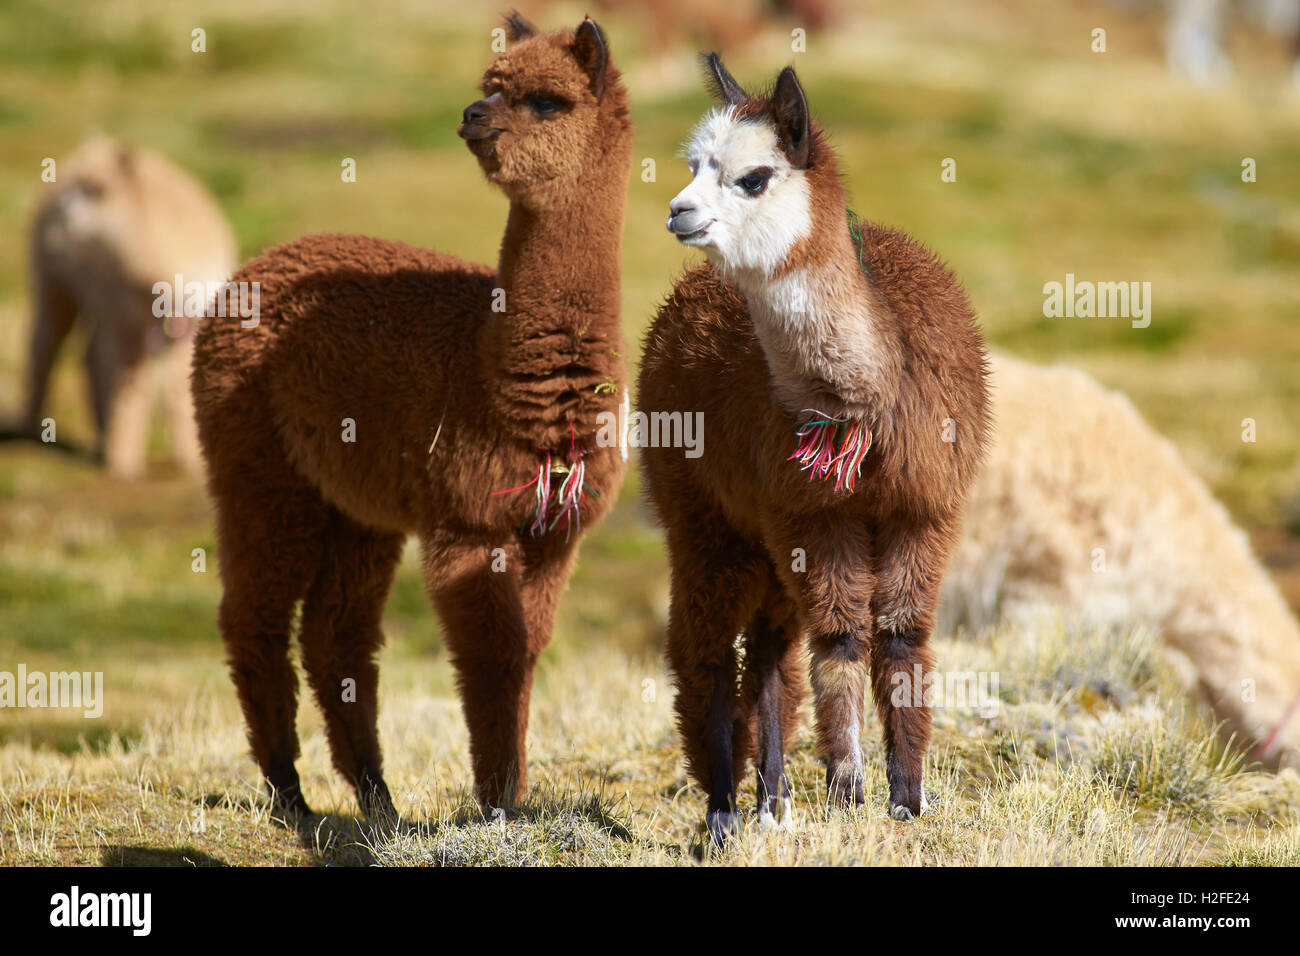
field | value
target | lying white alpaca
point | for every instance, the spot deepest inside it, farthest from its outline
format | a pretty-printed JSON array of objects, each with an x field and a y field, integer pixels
[{"x": 1075, "y": 469}]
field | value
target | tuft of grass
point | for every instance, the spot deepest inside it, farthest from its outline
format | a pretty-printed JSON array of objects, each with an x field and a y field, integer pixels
[
  {"x": 1151, "y": 756},
  {"x": 1275, "y": 849}
]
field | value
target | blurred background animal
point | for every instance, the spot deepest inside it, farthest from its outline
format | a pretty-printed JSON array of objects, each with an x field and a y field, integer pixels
[
  {"x": 117, "y": 220},
  {"x": 676, "y": 28},
  {"x": 1198, "y": 34},
  {"x": 1084, "y": 514}
]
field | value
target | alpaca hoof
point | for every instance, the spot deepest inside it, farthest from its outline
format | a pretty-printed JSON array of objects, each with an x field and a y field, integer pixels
[
  {"x": 846, "y": 794},
  {"x": 722, "y": 824},
  {"x": 900, "y": 812},
  {"x": 781, "y": 820},
  {"x": 288, "y": 807},
  {"x": 377, "y": 804},
  {"x": 292, "y": 813}
]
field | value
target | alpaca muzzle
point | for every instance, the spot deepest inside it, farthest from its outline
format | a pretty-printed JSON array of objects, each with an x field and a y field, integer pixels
[
  {"x": 478, "y": 127},
  {"x": 685, "y": 220},
  {"x": 477, "y": 122},
  {"x": 688, "y": 225}
]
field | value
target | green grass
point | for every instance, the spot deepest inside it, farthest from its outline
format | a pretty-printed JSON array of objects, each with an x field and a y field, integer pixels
[{"x": 1067, "y": 162}]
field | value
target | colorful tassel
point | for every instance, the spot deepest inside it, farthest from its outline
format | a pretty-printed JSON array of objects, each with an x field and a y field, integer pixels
[
  {"x": 556, "y": 504},
  {"x": 833, "y": 446}
]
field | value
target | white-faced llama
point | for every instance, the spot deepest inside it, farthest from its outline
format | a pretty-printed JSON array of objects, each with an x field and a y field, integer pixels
[
  {"x": 388, "y": 390},
  {"x": 842, "y": 382}
]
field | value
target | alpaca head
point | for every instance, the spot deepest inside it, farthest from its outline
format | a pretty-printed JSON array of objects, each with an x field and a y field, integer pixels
[
  {"x": 99, "y": 201},
  {"x": 550, "y": 105},
  {"x": 758, "y": 164}
]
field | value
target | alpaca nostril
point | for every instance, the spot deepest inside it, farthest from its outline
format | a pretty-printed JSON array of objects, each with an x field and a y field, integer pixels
[
  {"x": 676, "y": 209},
  {"x": 474, "y": 113}
]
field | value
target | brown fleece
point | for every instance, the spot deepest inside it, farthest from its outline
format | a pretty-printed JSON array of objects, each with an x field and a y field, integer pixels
[
  {"x": 450, "y": 401},
  {"x": 736, "y": 516}
]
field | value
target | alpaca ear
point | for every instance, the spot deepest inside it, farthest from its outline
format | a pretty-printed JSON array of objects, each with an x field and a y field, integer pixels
[
  {"x": 517, "y": 28},
  {"x": 722, "y": 84},
  {"x": 591, "y": 52},
  {"x": 790, "y": 114}
]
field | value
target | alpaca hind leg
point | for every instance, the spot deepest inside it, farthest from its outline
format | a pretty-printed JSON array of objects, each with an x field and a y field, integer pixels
[
  {"x": 269, "y": 542},
  {"x": 340, "y": 634}
]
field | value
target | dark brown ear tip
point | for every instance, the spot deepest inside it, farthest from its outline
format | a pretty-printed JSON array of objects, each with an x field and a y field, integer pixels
[
  {"x": 719, "y": 81},
  {"x": 517, "y": 27},
  {"x": 788, "y": 75},
  {"x": 591, "y": 29},
  {"x": 592, "y": 52}
]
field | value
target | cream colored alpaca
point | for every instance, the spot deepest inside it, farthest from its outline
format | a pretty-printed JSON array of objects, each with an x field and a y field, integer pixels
[
  {"x": 117, "y": 220},
  {"x": 1074, "y": 469}
]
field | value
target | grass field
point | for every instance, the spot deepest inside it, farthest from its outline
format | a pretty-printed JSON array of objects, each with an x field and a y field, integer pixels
[{"x": 1068, "y": 161}]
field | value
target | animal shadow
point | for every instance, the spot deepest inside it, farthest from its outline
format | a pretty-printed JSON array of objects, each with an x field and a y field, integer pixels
[{"x": 122, "y": 855}]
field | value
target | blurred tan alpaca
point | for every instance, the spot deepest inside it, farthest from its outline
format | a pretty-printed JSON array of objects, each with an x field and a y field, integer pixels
[
  {"x": 1075, "y": 469},
  {"x": 118, "y": 220}
]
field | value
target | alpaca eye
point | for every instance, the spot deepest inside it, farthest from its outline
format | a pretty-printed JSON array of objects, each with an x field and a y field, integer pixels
[
  {"x": 754, "y": 182},
  {"x": 542, "y": 106}
]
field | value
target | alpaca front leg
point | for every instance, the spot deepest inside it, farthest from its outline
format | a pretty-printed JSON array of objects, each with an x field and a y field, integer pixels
[
  {"x": 483, "y": 618},
  {"x": 912, "y": 558},
  {"x": 773, "y": 670},
  {"x": 721, "y": 819},
  {"x": 717, "y": 580},
  {"x": 703, "y": 663},
  {"x": 54, "y": 314},
  {"x": 833, "y": 587}
]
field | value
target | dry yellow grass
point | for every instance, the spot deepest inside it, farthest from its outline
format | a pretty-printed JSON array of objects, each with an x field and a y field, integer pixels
[{"x": 1084, "y": 764}]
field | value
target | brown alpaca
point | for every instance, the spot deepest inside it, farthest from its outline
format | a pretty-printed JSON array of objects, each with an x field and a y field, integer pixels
[
  {"x": 795, "y": 322},
  {"x": 120, "y": 220},
  {"x": 462, "y": 389}
]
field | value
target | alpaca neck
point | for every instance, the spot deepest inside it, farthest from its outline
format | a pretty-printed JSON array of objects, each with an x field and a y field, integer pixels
[
  {"x": 821, "y": 325},
  {"x": 559, "y": 335}
]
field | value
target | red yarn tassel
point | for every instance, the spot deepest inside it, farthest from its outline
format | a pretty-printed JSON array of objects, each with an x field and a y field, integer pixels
[{"x": 833, "y": 446}]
